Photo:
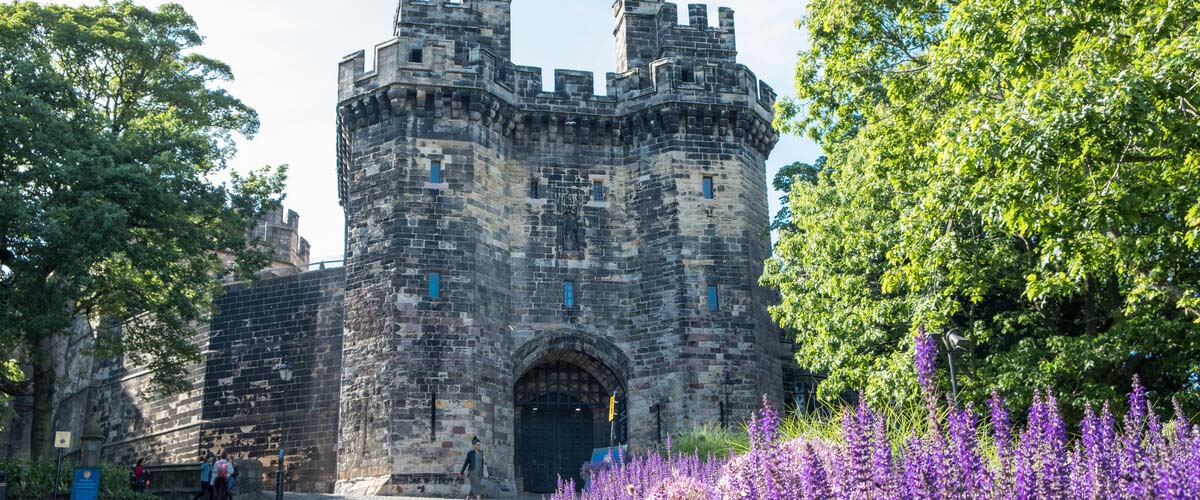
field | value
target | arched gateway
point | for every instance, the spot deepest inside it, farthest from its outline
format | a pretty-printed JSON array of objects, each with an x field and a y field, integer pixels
[
  {"x": 514, "y": 255},
  {"x": 560, "y": 402}
]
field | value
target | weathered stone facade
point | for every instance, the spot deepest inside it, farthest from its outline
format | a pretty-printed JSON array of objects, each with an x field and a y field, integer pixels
[
  {"x": 454, "y": 162},
  {"x": 649, "y": 204},
  {"x": 238, "y": 404}
]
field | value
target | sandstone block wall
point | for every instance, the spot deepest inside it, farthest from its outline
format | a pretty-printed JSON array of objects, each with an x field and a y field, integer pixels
[
  {"x": 238, "y": 404},
  {"x": 437, "y": 371},
  {"x": 247, "y": 407}
]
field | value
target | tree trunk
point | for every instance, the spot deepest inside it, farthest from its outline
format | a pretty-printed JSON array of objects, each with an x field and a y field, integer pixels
[{"x": 41, "y": 434}]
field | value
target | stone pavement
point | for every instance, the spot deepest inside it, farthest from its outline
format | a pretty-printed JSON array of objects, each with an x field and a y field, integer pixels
[{"x": 318, "y": 496}]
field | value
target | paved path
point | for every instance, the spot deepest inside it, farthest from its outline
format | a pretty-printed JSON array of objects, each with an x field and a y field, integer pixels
[{"x": 317, "y": 496}]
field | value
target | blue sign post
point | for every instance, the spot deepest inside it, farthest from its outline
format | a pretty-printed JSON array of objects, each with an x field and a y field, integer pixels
[{"x": 86, "y": 485}]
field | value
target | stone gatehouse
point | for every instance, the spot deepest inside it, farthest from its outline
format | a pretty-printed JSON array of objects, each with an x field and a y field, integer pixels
[{"x": 514, "y": 257}]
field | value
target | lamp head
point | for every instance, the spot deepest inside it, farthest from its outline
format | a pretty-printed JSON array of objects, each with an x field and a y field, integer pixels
[{"x": 955, "y": 339}]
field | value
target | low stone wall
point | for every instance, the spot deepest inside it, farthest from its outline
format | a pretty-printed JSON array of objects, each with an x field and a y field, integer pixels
[{"x": 182, "y": 482}]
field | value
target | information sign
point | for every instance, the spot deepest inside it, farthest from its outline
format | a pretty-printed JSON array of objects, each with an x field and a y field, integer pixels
[
  {"x": 62, "y": 440},
  {"x": 87, "y": 484}
]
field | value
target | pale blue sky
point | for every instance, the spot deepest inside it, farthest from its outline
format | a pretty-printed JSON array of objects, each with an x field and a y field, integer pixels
[{"x": 284, "y": 54}]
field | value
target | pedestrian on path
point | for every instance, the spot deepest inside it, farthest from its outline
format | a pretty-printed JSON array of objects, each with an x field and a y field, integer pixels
[
  {"x": 222, "y": 472},
  {"x": 475, "y": 469},
  {"x": 206, "y": 468},
  {"x": 141, "y": 478}
]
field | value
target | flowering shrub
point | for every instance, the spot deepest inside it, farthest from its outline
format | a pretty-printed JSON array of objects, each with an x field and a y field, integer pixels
[{"x": 952, "y": 458}]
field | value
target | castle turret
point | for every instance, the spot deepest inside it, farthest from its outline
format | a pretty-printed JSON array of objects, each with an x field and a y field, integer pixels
[
  {"x": 516, "y": 256},
  {"x": 646, "y": 31},
  {"x": 468, "y": 22}
]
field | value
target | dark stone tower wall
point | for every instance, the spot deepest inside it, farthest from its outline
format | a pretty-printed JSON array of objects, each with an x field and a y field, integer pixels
[
  {"x": 423, "y": 375},
  {"x": 248, "y": 411},
  {"x": 238, "y": 404}
]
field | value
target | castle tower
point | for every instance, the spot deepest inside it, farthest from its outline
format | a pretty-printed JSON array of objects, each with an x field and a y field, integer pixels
[{"x": 515, "y": 256}]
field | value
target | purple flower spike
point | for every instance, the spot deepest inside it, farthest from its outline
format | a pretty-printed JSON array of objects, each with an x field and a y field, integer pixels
[
  {"x": 1142, "y": 459},
  {"x": 925, "y": 360}
]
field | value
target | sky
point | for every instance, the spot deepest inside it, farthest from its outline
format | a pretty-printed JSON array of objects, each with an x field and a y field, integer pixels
[{"x": 284, "y": 55}]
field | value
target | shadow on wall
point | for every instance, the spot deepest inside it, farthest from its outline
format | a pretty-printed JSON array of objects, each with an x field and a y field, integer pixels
[
  {"x": 236, "y": 401},
  {"x": 247, "y": 407}
]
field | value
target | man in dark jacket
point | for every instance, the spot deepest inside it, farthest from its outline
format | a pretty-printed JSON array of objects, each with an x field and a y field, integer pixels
[{"x": 475, "y": 469}]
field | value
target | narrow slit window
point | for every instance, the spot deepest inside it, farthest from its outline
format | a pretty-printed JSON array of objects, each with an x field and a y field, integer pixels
[
  {"x": 535, "y": 188},
  {"x": 416, "y": 55},
  {"x": 435, "y": 172},
  {"x": 714, "y": 303},
  {"x": 597, "y": 191},
  {"x": 569, "y": 293},
  {"x": 433, "y": 416},
  {"x": 707, "y": 187},
  {"x": 435, "y": 285}
]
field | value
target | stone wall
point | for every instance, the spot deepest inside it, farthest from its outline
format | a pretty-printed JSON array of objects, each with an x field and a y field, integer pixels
[
  {"x": 246, "y": 407},
  {"x": 434, "y": 371},
  {"x": 137, "y": 423},
  {"x": 238, "y": 405},
  {"x": 182, "y": 481}
]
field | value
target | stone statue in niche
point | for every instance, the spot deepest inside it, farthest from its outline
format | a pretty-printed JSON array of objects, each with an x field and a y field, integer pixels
[{"x": 569, "y": 212}]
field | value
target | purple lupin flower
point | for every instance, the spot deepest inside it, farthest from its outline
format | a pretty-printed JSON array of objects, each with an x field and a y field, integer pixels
[
  {"x": 920, "y": 471},
  {"x": 1057, "y": 436},
  {"x": 925, "y": 359},
  {"x": 1132, "y": 460},
  {"x": 1003, "y": 438},
  {"x": 813, "y": 484},
  {"x": 1093, "y": 464},
  {"x": 881, "y": 459},
  {"x": 974, "y": 478},
  {"x": 1184, "y": 464},
  {"x": 856, "y": 460},
  {"x": 1040, "y": 471}
]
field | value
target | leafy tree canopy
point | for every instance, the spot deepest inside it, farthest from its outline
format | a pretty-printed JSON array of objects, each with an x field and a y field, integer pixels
[
  {"x": 785, "y": 179},
  {"x": 112, "y": 129},
  {"x": 1026, "y": 172}
]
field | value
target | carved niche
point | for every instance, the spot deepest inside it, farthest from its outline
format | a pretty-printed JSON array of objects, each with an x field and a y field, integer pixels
[{"x": 568, "y": 213}]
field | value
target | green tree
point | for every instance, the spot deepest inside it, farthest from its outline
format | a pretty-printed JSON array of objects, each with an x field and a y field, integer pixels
[
  {"x": 1027, "y": 172},
  {"x": 112, "y": 130},
  {"x": 788, "y": 176}
]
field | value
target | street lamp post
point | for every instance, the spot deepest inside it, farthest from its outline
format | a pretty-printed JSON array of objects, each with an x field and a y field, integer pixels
[
  {"x": 285, "y": 374},
  {"x": 954, "y": 341}
]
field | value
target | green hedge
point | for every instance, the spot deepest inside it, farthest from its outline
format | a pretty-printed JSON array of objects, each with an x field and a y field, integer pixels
[{"x": 35, "y": 480}]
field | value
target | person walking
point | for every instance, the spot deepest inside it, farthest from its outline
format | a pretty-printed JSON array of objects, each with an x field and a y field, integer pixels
[
  {"x": 222, "y": 472},
  {"x": 475, "y": 469},
  {"x": 141, "y": 478},
  {"x": 206, "y": 468}
]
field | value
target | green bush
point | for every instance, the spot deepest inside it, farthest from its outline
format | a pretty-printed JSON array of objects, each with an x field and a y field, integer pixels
[{"x": 34, "y": 479}]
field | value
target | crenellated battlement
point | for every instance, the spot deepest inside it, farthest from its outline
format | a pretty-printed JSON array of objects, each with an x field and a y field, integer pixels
[
  {"x": 696, "y": 39},
  {"x": 685, "y": 78},
  {"x": 450, "y": 57},
  {"x": 466, "y": 43}
]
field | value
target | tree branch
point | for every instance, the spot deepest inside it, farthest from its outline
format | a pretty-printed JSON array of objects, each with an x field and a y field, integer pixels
[{"x": 1144, "y": 159}]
